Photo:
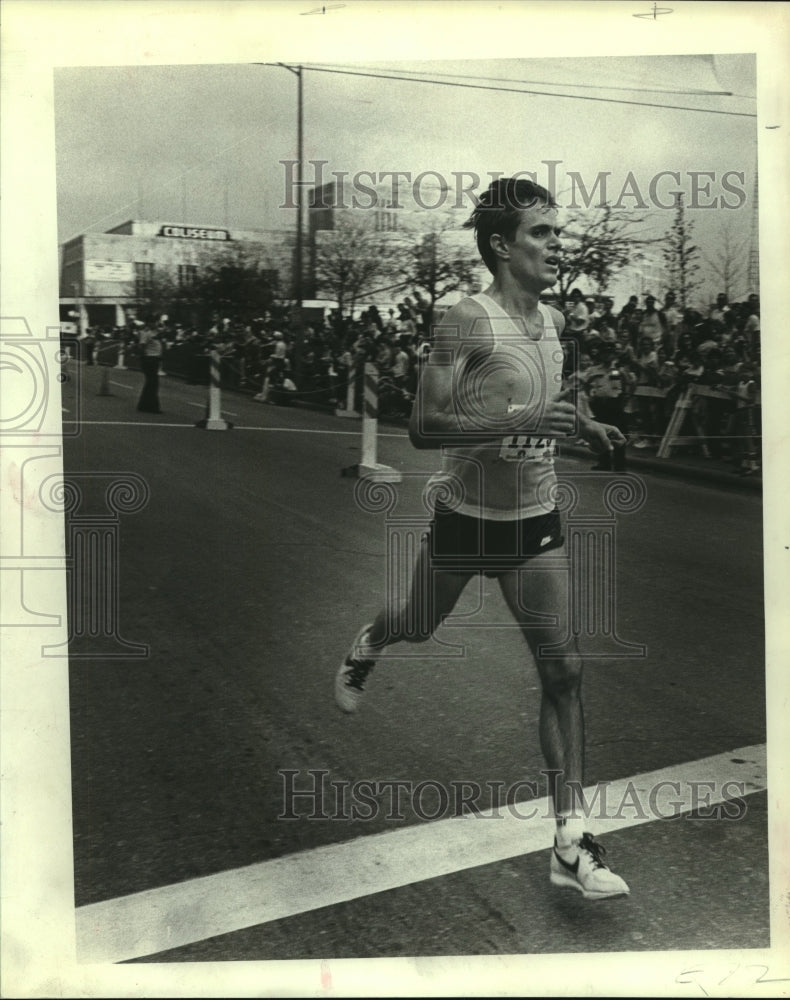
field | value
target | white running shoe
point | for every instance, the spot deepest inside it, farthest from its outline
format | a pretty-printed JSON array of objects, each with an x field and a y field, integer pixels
[
  {"x": 350, "y": 678},
  {"x": 587, "y": 873}
]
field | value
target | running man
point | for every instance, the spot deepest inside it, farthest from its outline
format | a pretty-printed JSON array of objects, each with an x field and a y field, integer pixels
[{"x": 490, "y": 398}]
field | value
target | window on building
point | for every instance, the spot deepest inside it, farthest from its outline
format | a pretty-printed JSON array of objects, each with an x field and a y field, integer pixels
[
  {"x": 143, "y": 277},
  {"x": 187, "y": 275}
]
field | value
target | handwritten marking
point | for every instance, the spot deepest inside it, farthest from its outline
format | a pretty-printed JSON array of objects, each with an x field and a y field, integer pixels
[
  {"x": 656, "y": 12},
  {"x": 324, "y": 9},
  {"x": 710, "y": 977}
]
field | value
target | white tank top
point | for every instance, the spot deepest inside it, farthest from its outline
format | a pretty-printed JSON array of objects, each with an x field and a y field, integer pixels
[{"x": 511, "y": 478}]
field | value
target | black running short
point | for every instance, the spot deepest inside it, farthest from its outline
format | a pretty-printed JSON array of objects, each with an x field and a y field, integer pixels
[{"x": 466, "y": 544}]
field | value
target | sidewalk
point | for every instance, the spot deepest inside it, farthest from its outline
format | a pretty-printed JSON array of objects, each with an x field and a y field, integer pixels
[{"x": 682, "y": 464}]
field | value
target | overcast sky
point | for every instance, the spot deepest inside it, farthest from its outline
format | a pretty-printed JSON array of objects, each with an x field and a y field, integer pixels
[{"x": 202, "y": 144}]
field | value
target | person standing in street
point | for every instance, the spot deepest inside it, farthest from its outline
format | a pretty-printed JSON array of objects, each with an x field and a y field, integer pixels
[
  {"x": 490, "y": 399},
  {"x": 152, "y": 349}
]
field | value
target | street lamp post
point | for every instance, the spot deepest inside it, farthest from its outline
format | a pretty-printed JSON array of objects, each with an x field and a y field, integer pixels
[
  {"x": 297, "y": 284},
  {"x": 299, "y": 212}
]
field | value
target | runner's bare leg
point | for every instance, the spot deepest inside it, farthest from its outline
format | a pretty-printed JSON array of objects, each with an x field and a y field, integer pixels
[
  {"x": 561, "y": 713},
  {"x": 433, "y": 595}
]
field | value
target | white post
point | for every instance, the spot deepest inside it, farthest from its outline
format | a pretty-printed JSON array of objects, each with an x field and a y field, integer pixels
[
  {"x": 121, "y": 356},
  {"x": 368, "y": 467},
  {"x": 213, "y": 420},
  {"x": 370, "y": 415}
]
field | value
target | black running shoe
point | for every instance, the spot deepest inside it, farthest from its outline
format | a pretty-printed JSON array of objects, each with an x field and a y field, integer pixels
[{"x": 350, "y": 678}]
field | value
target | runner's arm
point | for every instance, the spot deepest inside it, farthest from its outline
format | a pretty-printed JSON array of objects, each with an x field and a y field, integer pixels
[{"x": 438, "y": 417}]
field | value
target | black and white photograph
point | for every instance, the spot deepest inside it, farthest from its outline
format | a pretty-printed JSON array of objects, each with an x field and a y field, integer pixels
[{"x": 392, "y": 488}]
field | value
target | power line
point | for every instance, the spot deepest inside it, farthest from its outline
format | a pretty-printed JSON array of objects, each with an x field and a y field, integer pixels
[
  {"x": 518, "y": 90},
  {"x": 548, "y": 83},
  {"x": 317, "y": 68}
]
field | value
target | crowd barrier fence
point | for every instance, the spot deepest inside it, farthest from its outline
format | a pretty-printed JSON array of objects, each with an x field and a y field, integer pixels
[{"x": 346, "y": 394}]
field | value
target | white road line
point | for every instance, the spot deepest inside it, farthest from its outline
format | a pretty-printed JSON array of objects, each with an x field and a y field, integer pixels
[
  {"x": 157, "y": 920},
  {"x": 121, "y": 385},
  {"x": 303, "y": 430},
  {"x": 283, "y": 430},
  {"x": 123, "y": 423},
  {"x": 310, "y": 430}
]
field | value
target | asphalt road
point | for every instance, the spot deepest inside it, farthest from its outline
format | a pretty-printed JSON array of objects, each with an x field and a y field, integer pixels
[{"x": 248, "y": 572}]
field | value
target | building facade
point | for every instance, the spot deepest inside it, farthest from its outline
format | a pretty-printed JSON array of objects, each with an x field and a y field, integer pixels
[
  {"x": 394, "y": 221},
  {"x": 106, "y": 278}
]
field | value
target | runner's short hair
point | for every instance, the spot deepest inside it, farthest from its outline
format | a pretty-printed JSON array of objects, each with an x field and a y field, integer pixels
[{"x": 498, "y": 209}]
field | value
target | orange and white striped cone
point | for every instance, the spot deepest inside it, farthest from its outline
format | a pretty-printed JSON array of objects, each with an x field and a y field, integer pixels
[
  {"x": 214, "y": 421},
  {"x": 368, "y": 466}
]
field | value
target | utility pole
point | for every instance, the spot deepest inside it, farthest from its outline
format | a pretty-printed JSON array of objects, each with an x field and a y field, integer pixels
[
  {"x": 297, "y": 283},
  {"x": 300, "y": 155}
]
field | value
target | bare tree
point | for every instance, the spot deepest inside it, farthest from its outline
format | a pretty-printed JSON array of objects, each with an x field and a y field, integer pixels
[
  {"x": 597, "y": 245},
  {"x": 352, "y": 258},
  {"x": 437, "y": 261},
  {"x": 729, "y": 261},
  {"x": 681, "y": 256}
]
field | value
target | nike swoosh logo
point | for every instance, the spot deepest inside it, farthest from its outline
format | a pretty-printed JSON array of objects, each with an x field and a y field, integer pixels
[{"x": 571, "y": 868}]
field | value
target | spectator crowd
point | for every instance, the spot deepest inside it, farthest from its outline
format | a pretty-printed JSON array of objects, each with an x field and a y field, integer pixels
[
  {"x": 632, "y": 367},
  {"x": 629, "y": 367},
  {"x": 267, "y": 354}
]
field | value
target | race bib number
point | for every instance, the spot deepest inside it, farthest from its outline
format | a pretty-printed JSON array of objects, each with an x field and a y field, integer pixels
[{"x": 523, "y": 448}]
